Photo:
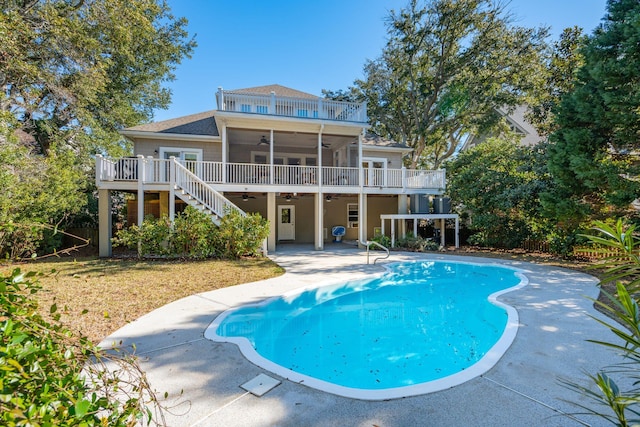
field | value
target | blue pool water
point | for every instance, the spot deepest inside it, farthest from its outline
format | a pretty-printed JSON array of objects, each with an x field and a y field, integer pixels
[{"x": 419, "y": 322}]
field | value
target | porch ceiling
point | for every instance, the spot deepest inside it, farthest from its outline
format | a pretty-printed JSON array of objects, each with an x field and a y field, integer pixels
[{"x": 283, "y": 139}]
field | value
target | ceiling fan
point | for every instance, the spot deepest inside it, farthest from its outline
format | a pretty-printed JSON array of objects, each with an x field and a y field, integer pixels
[
  {"x": 246, "y": 197},
  {"x": 289, "y": 197},
  {"x": 263, "y": 141}
]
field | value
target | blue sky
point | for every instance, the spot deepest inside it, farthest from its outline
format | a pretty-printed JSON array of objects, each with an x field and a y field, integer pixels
[{"x": 309, "y": 45}]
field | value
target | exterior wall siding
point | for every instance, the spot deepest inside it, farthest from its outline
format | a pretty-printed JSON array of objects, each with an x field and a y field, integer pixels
[{"x": 211, "y": 151}]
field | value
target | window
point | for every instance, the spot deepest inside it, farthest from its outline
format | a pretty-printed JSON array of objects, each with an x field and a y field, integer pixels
[
  {"x": 245, "y": 108},
  {"x": 352, "y": 215},
  {"x": 315, "y": 114},
  {"x": 262, "y": 109},
  {"x": 303, "y": 113}
]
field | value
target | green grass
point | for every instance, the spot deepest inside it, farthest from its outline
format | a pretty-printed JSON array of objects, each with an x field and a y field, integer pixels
[{"x": 115, "y": 291}]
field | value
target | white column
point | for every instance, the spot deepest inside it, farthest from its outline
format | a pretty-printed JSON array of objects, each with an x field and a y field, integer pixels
[
  {"x": 318, "y": 203},
  {"x": 172, "y": 189},
  {"x": 362, "y": 216},
  {"x": 141, "y": 171},
  {"x": 104, "y": 223},
  {"x": 273, "y": 221},
  {"x": 225, "y": 149},
  {"x": 271, "y": 167}
]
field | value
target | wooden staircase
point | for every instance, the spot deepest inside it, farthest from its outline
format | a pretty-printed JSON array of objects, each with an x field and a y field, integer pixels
[{"x": 197, "y": 193}]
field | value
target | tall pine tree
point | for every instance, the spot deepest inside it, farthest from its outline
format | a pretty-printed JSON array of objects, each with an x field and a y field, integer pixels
[{"x": 593, "y": 156}]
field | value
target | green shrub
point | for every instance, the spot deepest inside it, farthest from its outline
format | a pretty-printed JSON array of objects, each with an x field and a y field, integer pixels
[
  {"x": 151, "y": 238},
  {"x": 194, "y": 235},
  {"x": 240, "y": 235},
  {"x": 49, "y": 377},
  {"x": 18, "y": 240},
  {"x": 383, "y": 240},
  {"x": 417, "y": 244}
]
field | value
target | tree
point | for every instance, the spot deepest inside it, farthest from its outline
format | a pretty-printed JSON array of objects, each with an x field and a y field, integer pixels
[
  {"x": 498, "y": 185},
  {"x": 447, "y": 67},
  {"x": 565, "y": 58},
  {"x": 73, "y": 73},
  {"x": 592, "y": 153}
]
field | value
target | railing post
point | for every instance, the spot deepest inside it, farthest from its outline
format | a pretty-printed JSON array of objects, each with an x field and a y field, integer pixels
[
  {"x": 272, "y": 107},
  {"x": 141, "y": 171},
  {"x": 404, "y": 177},
  {"x": 150, "y": 168},
  {"x": 221, "y": 99},
  {"x": 98, "y": 169}
]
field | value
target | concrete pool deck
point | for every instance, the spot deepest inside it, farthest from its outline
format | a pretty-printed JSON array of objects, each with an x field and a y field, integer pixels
[{"x": 522, "y": 389}]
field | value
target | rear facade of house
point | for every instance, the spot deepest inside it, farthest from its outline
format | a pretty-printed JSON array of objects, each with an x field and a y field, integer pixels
[{"x": 305, "y": 163}]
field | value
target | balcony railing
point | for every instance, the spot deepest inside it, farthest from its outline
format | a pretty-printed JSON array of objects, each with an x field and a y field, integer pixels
[
  {"x": 292, "y": 107},
  {"x": 156, "y": 171}
]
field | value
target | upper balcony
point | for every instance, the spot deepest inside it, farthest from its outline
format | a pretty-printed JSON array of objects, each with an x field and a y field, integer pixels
[
  {"x": 137, "y": 172},
  {"x": 289, "y": 106}
]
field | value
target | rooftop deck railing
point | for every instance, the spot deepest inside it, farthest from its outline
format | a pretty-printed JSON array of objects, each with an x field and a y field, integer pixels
[
  {"x": 156, "y": 171},
  {"x": 292, "y": 107}
]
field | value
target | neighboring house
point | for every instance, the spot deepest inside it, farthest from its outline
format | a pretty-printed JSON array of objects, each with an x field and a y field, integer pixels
[
  {"x": 517, "y": 123},
  {"x": 303, "y": 162}
]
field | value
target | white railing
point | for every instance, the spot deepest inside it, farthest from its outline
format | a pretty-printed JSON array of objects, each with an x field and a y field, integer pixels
[
  {"x": 425, "y": 179},
  {"x": 335, "y": 176},
  {"x": 202, "y": 192},
  {"x": 317, "y": 108},
  {"x": 156, "y": 171}
]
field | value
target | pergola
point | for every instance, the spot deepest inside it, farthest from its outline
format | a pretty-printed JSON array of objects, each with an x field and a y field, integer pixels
[{"x": 415, "y": 218}]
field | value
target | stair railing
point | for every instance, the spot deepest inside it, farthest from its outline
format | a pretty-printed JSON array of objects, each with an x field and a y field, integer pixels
[{"x": 202, "y": 192}]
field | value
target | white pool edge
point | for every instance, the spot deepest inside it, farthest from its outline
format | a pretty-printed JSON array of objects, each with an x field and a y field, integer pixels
[{"x": 487, "y": 362}]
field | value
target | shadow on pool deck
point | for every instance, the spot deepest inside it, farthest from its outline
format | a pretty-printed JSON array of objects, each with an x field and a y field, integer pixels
[{"x": 521, "y": 390}]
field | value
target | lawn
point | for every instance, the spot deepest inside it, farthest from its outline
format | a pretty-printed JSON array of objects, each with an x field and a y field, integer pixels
[{"x": 115, "y": 292}]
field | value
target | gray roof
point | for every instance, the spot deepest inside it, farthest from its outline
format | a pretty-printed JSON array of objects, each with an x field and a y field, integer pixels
[
  {"x": 278, "y": 89},
  {"x": 193, "y": 124},
  {"x": 378, "y": 141}
]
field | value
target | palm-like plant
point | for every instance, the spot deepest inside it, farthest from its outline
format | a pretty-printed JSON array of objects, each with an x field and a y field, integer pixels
[{"x": 621, "y": 265}]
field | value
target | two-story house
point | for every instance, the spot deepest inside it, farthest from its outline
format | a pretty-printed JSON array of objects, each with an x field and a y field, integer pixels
[{"x": 303, "y": 162}]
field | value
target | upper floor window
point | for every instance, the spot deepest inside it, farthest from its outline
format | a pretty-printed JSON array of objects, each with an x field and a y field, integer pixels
[
  {"x": 303, "y": 113},
  {"x": 262, "y": 109},
  {"x": 245, "y": 108}
]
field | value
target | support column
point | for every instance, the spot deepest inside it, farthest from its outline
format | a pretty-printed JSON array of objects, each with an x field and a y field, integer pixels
[
  {"x": 141, "y": 171},
  {"x": 104, "y": 223},
  {"x": 362, "y": 217},
  {"x": 273, "y": 221},
  {"x": 318, "y": 203},
  {"x": 225, "y": 151},
  {"x": 172, "y": 189}
]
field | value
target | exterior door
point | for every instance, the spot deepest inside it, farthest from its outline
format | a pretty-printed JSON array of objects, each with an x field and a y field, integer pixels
[
  {"x": 286, "y": 222},
  {"x": 375, "y": 171}
]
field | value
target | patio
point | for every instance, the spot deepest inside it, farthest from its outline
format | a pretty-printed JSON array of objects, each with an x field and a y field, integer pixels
[{"x": 522, "y": 389}]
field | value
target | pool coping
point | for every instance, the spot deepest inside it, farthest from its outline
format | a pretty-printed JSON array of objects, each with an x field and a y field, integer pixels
[
  {"x": 493, "y": 355},
  {"x": 202, "y": 378}
]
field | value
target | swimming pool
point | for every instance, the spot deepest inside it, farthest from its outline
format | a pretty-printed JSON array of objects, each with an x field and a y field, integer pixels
[{"x": 420, "y": 327}]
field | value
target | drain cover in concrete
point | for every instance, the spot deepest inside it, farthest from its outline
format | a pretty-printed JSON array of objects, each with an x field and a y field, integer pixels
[{"x": 260, "y": 384}]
